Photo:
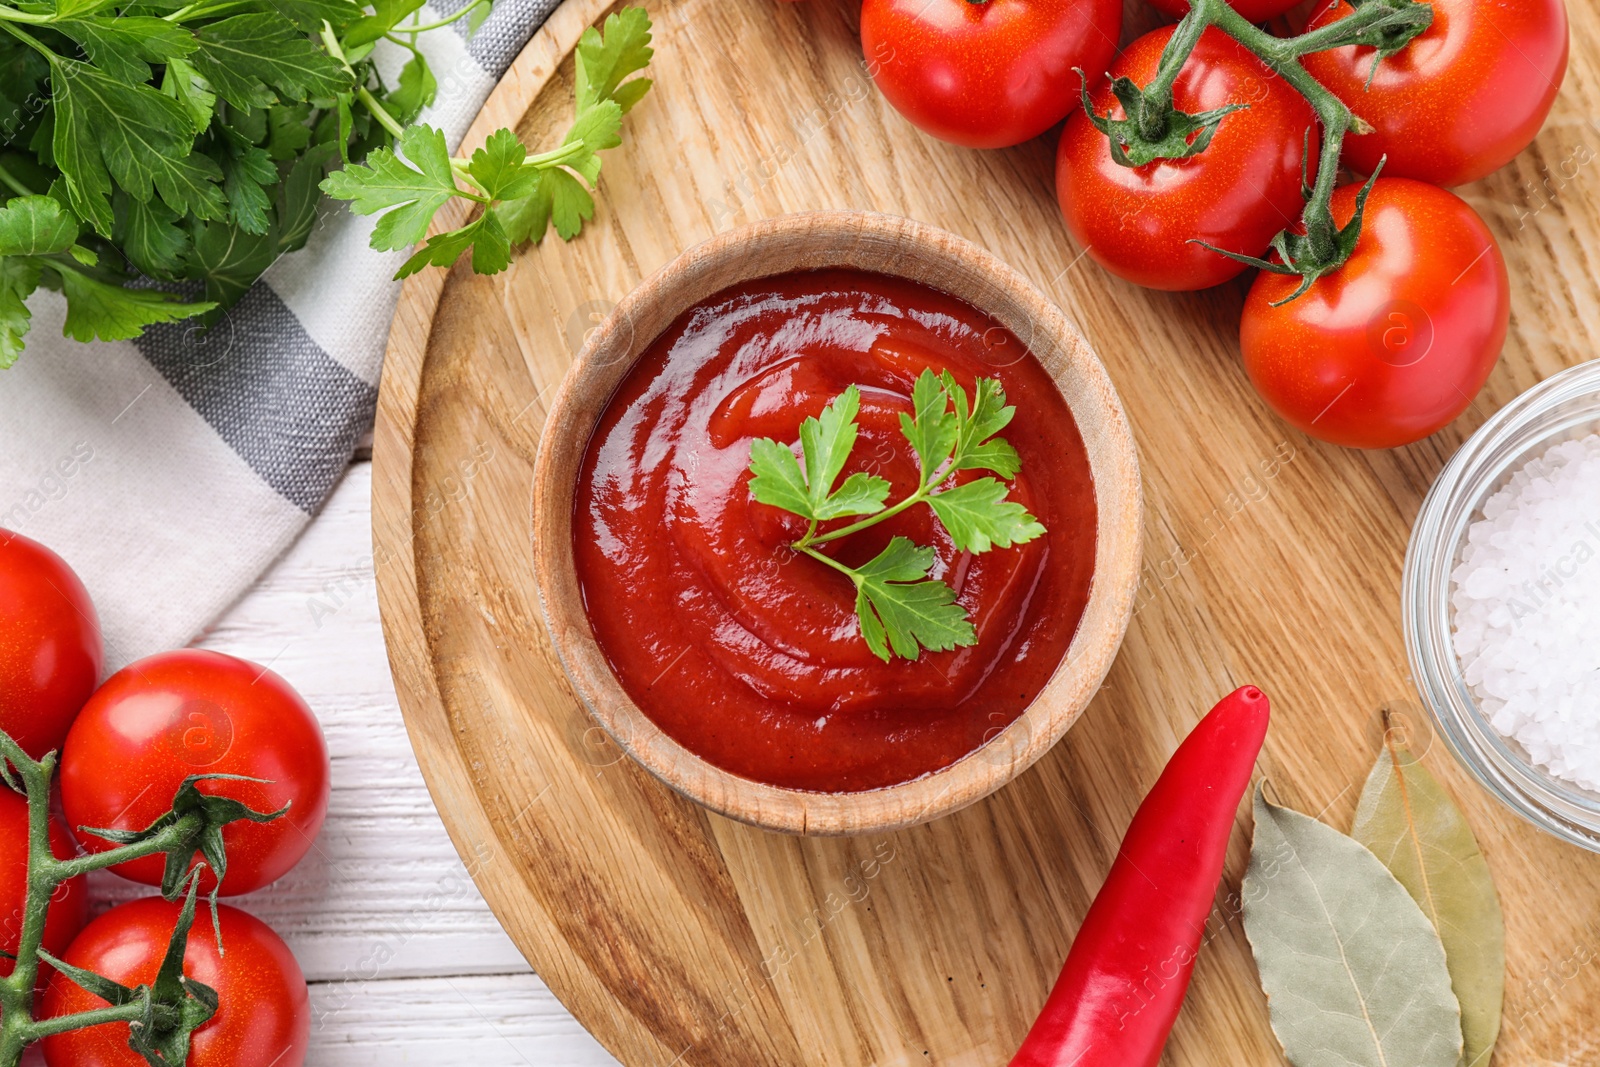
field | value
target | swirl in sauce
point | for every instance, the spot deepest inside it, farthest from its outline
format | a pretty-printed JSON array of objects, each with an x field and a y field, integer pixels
[{"x": 750, "y": 655}]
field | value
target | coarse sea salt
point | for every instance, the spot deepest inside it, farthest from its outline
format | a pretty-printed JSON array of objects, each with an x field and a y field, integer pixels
[{"x": 1526, "y": 610}]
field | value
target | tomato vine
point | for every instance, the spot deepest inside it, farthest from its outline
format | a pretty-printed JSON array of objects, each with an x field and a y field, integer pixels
[
  {"x": 161, "y": 1015},
  {"x": 1154, "y": 129}
]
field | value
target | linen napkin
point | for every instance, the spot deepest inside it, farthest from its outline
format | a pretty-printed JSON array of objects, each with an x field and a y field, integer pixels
[{"x": 169, "y": 471}]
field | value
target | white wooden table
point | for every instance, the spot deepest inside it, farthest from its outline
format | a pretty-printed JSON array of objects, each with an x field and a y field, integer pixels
[{"x": 405, "y": 961}]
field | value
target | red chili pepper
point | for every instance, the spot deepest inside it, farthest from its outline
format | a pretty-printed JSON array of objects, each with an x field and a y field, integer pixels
[{"x": 1125, "y": 978}]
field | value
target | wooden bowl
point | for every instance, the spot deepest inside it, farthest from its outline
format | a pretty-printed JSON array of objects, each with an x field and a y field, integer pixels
[{"x": 888, "y": 245}]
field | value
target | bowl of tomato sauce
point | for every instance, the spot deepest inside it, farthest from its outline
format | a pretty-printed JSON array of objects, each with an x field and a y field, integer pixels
[{"x": 736, "y": 667}]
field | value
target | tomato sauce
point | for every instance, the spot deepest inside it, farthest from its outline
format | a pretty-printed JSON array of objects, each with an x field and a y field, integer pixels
[{"x": 749, "y": 654}]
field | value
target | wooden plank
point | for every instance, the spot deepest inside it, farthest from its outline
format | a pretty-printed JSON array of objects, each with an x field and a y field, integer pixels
[{"x": 678, "y": 937}]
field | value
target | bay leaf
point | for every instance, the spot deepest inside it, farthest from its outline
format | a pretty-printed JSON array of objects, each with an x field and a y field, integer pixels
[
  {"x": 1410, "y": 823},
  {"x": 1354, "y": 974}
]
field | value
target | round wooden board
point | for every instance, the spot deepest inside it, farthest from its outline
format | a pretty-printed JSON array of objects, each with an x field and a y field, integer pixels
[{"x": 680, "y": 937}]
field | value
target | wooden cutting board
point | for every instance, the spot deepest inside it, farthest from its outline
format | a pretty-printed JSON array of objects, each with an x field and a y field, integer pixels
[{"x": 679, "y": 937}]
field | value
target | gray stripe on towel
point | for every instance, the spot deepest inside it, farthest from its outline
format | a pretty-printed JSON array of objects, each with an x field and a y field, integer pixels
[{"x": 286, "y": 407}]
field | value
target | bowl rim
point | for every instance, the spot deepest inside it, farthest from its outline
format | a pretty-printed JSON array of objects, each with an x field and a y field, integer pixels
[
  {"x": 876, "y": 242},
  {"x": 1476, "y": 470}
]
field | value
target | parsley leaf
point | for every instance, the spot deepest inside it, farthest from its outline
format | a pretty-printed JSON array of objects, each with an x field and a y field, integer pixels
[
  {"x": 899, "y": 608},
  {"x": 411, "y": 192},
  {"x": 522, "y": 196},
  {"x": 979, "y": 516},
  {"x": 246, "y": 57},
  {"x": 106, "y": 128},
  {"x": 35, "y": 226},
  {"x": 150, "y": 237},
  {"x": 974, "y": 449},
  {"x": 19, "y": 277},
  {"x": 825, "y": 444},
  {"x": 97, "y": 309},
  {"x": 125, "y": 47}
]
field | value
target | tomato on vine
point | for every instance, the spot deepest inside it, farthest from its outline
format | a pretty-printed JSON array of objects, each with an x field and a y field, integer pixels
[
  {"x": 69, "y": 906},
  {"x": 51, "y": 652},
  {"x": 987, "y": 73},
  {"x": 1140, "y": 222},
  {"x": 1459, "y": 101},
  {"x": 176, "y": 715},
  {"x": 1394, "y": 344},
  {"x": 263, "y": 1016}
]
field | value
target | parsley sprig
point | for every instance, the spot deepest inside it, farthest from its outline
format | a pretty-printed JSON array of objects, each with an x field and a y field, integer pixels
[
  {"x": 190, "y": 143},
  {"x": 521, "y": 195},
  {"x": 901, "y": 610}
]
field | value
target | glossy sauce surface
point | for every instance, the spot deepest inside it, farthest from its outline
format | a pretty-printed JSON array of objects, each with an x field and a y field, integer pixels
[{"x": 750, "y": 655}]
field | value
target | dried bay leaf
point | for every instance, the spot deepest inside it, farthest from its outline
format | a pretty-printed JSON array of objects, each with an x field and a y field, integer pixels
[
  {"x": 1407, "y": 819},
  {"x": 1354, "y": 973}
]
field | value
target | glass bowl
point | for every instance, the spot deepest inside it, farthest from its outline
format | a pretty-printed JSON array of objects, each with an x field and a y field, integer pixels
[{"x": 1564, "y": 407}]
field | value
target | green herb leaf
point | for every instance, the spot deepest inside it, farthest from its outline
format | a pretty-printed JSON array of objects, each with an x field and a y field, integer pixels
[
  {"x": 229, "y": 261},
  {"x": 18, "y": 278},
  {"x": 603, "y": 62},
  {"x": 299, "y": 195},
  {"x": 125, "y": 47},
  {"x": 309, "y": 15},
  {"x": 150, "y": 237},
  {"x": 35, "y": 226},
  {"x": 1354, "y": 973},
  {"x": 184, "y": 84},
  {"x": 497, "y": 167},
  {"x": 386, "y": 15},
  {"x": 416, "y": 89},
  {"x": 1407, "y": 819},
  {"x": 932, "y": 428},
  {"x": 989, "y": 415},
  {"x": 899, "y": 608},
  {"x": 246, "y": 57},
  {"x": 825, "y": 445},
  {"x": 246, "y": 172},
  {"x": 491, "y": 250},
  {"x": 412, "y": 192},
  {"x": 105, "y": 128},
  {"x": 979, "y": 516},
  {"x": 97, "y": 309}
]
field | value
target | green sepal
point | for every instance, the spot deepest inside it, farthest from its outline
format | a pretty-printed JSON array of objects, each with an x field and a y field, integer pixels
[
  {"x": 1183, "y": 134},
  {"x": 113, "y": 993},
  {"x": 1296, "y": 256},
  {"x": 1406, "y": 21},
  {"x": 215, "y": 812}
]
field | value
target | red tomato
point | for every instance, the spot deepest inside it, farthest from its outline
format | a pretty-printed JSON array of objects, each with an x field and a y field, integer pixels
[
  {"x": 1254, "y": 10},
  {"x": 1462, "y": 99},
  {"x": 1396, "y": 343},
  {"x": 263, "y": 1016},
  {"x": 987, "y": 74},
  {"x": 176, "y": 714},
  {"x": 1237, "y": 194},
  {"x": 50, "y": 648},
  {"x": 69, "y": 908}
]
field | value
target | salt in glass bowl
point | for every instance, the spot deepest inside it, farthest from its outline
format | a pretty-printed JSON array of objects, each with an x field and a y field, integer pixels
[{"x": 1562, "y": 408}]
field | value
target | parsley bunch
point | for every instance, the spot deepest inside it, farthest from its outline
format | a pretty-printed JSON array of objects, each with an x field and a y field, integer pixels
[
  {"x": 190, "y": 142},
  {"x": 898, "y": 607}
]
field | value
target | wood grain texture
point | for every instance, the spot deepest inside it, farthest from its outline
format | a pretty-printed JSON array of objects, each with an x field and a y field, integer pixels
[
  {"x": 679, "y": 937},
  {"x": 882, "y": 244}
]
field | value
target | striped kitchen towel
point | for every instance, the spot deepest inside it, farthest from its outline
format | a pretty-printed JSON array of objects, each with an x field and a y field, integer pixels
[{"x": 171, "y": 470}]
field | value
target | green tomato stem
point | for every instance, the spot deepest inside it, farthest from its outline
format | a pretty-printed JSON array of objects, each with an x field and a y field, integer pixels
[
  {"x": 46, "y": 874},
  {"x": 121, "y": 1013},
  {"x": 1282, "y": 56}
]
